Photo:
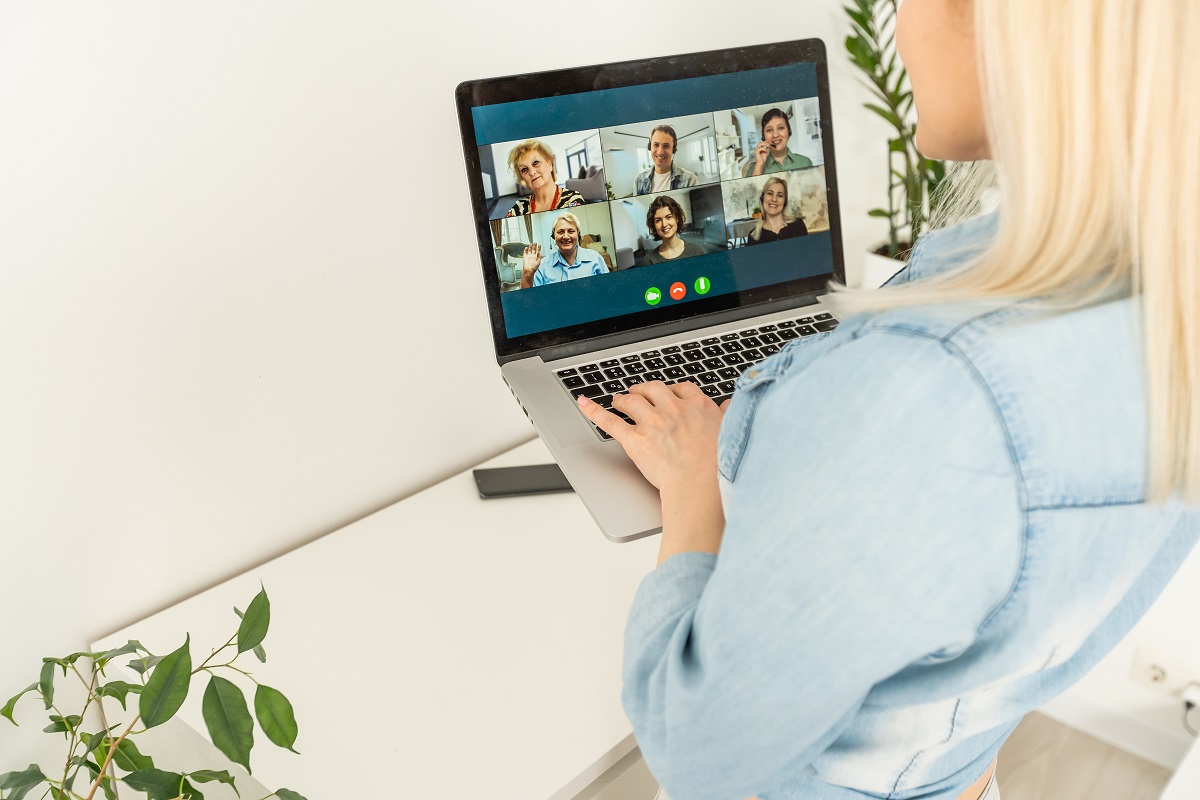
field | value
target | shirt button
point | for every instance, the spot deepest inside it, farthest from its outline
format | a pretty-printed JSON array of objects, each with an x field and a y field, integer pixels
[{"x": 752, "y": 373}]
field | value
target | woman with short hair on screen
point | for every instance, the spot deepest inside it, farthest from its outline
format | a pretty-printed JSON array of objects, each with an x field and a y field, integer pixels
[
  {"x": 902, "y": 535},
  {"x": 665, "y": 219},
  {"x": 772, "y": 153},
  {"x": 532, "y": 163},
  {"x": 776, "y": 223},
  {"x": 566, "y": 262}
]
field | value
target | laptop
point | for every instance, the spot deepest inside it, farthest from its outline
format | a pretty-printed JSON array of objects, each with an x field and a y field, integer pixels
[{"x": 668, "y": 219}]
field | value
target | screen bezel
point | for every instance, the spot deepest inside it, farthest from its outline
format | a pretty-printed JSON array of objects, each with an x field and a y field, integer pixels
[{"x": 492, "y": 91}]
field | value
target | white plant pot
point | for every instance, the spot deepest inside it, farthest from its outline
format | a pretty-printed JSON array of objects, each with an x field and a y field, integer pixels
[{"x": 878, "y": 269}]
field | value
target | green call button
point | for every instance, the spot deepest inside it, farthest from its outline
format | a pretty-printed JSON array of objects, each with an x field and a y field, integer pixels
[{"x": 653, "y": 295}]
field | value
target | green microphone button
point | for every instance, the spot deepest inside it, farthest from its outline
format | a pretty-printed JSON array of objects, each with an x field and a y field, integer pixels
[{"x": 703, "y": 285}]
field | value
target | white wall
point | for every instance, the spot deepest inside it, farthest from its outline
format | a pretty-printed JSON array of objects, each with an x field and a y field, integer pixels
[{"x": 211, "y": 281}]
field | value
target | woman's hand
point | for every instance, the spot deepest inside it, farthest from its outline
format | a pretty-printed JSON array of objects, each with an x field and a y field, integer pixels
[
  {"x": 531, "y": 257},
  {"x": 674, "y": 444},
  {"x": 760, "y": 156}
]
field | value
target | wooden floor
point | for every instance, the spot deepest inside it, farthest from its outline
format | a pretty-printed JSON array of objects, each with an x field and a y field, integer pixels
[{"x": 1042, "y": 760}]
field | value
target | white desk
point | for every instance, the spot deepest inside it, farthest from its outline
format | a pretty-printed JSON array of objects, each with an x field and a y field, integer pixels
[{"x": 444, "y": 647}]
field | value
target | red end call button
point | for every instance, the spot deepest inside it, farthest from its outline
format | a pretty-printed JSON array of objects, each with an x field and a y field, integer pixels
[{"x": 678, "y": 290}]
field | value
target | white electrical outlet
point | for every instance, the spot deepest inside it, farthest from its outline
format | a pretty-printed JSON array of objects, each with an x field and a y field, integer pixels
[{"x": 1162, "y": 671}]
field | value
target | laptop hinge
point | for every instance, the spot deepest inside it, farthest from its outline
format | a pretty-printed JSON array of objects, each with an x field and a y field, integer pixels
[{"x": 678, "y": 326}]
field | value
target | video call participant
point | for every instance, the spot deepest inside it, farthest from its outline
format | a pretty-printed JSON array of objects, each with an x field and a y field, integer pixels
[
  {"x": 665, "y": 218},
  {"x": 566, "y": 262},
  {"x": 772, "y": 154},
  {"x": 776, "y": 223},
  {"x": 665, "y": 174},
  {"x": 532, "y": 163}
]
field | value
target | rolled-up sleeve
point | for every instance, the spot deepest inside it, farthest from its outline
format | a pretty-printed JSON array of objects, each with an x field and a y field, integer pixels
[{"x": 874, "y": 520}]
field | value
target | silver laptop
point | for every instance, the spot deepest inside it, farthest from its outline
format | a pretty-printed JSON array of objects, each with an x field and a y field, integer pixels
[{"x": 669, "y": 219}]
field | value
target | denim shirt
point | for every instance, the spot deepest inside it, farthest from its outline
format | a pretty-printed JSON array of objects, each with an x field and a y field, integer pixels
[
  {"x": 935, "y": 523},
  {"x": 680, "y": 179}
]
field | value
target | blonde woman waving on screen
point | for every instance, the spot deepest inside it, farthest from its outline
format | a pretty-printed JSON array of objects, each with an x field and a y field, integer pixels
[{"x": 999, "y": 466}]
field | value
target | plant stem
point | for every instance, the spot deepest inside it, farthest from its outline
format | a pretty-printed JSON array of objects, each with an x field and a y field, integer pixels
[{"x": 112, "y": 749}]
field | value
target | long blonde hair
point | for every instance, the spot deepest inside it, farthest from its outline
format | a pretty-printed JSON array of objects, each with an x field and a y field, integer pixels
[
  {"x": 788, "y": 219},
  {"x": 1095, "y": 131}
]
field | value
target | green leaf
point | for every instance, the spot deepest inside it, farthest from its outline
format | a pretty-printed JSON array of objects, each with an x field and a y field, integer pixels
[
  {"x": 260, "y": 654},
  {"x": 46, "y": 682},
  {"x": 254, "y": 625},
  {"x": 288, "y": 794},
  {"x": 276, "y": 717},
  {"x": 132, "y": 646},
  {"x": 879, "y": 212},
  {"x": 127, "y": 758},
  {"x": 228, "y": 719},
  {"x": 156, "y": 783},
  {"x": 142, "y": 665},
  {"x": 206, "y": 775},
  {"x": 119, "y": 690},
  {"x": 19, "y": 784},
  {"x": 887, "y": 114},
  {"x": 60, "y": 725},
  {"x": 7, "y": 711},
  {"x": 167, "y": 687}
]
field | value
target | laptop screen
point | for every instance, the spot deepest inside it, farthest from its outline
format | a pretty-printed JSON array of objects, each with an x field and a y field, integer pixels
[{"x": 625, "y": 196}]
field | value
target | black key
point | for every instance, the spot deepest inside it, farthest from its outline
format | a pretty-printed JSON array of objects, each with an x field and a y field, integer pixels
[
  {"x": 593, "y": 377},
  {"x": 789, "y": 323},
  {"x": 694, "y": 355},
  {"x": 675, "y": 359},
  {"x": 733, "y": 347},
  {"x": 612, "y": 362},
  {"x": 711, "y": 391},
  {"x": 713, "y": 363},
  {"x": 749, "y": 332},
  {"x": 625, "y": 417},
  {"x": 613, "y": 387},
  {"x": 603, "y": 400},
  {"x": 750, "y": 341},
  {"x": 726, "y": 386},
  {"x": 589, "y": 368},
  {"x": 729, "y": 373},
  {"x": 603, "y": 435},
  {"x": 656, "y": 363},
  {"x": 672, "y": 349},
  {"x": 713, "y": 350},
  {"x": 770, "y": 338},
  {"x": 654, "y": 376},
  {"x": 689, "y": 379},
  {"x": 804, "y": 321},
  {"x": 587, "y": 391},
  {"x": 752, "y": 355},
  {"x": 635, "y": 369},
  {"x": 820, "y": 317},
  {"x": 650, "y": 354},
  {"x": 572, "y": 381},
  {"x": 710, "y": 340},
  {"x": 673, "y": 373},
  {"x": 693, "y": 368},
  {"x": 630, "y": 359},
  {"x": 689, "y": 346},
  {"x": 721, "y": 399},
  {"x": 733, "y": 359},
  {"x": 806, "y": 330},
  {"x": 743, "y": 367},
  {"x": 710, "y": 377},
  {"x": 827, "y": 325},
  {"x": 614, "y": 373},
  {"x": 789, "y": 335},
  {"x": 633, "y": 380},
  {"x": 562, "y": 373},
  {"x": 765, "y": 328},
  {"x": 729, "y": 337},
  {"x": 770, "y": 349}
]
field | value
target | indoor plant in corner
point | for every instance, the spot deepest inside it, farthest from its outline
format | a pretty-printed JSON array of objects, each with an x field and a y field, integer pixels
[
  {"x": 101, "y": 753},
  {"x": 912, "y": 179}
]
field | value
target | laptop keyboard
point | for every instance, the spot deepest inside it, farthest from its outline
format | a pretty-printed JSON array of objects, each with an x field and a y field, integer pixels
[{"x": 713, "y": 363}]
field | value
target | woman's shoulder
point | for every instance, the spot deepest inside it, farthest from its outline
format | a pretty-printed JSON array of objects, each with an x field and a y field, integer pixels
[{"x": 570, "y": 197}]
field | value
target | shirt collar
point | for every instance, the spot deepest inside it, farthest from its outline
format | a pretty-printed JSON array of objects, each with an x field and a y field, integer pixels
[{"x": 948, "y": 248}]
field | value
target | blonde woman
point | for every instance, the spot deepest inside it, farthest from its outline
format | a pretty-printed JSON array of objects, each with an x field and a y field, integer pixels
[
  {"x": 566, "y": 262},
  {"x": 532, "y": 164},
  {"x": 945, "y": 512},
  {"x": 776, "y": 223}
]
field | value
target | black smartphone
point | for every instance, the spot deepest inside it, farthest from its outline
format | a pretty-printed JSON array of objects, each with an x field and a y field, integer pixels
[{"x": 517, "y": 481}]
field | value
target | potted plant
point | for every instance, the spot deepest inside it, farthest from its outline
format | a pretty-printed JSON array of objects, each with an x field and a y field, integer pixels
[
  {"x": 913, "y": 179},
  {"x": 102, "y": 753}
]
